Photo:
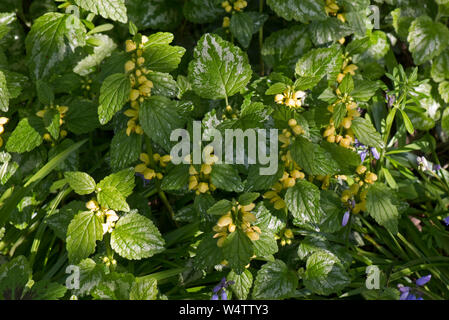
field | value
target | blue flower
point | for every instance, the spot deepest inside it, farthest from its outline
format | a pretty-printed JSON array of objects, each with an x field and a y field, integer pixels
[
  {"x": 345, "y": 219},
  {"x": 408, "y": 293},
  {"x": 446, "y": 220},
  {"x": 363, "y": 151},
  {"x": 219, "y": 290}
]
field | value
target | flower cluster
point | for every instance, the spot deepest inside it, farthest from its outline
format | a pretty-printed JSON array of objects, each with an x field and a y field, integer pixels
[
  {"x": 288, "y": 135},
  {"x": 408, "y": 293},
  {"x": 3, "y": 121},
  {"x": 342, "y": 133},
  {"x": 291, "y": 98},
  {"x": 152, "y": 169},
  {"x": 332, "y": 9},
  {"x": 236, "y": 5},
  {"x": 200, "y": 180},
  {"x": 220, "y": 289},
  {"x": 109, "y": 217},
  {"x": 354, "y": 198},
  {"x": 140, "y": 85},
  {"x": 285, "y": 236},
  {"x": 238, "y": 217}
]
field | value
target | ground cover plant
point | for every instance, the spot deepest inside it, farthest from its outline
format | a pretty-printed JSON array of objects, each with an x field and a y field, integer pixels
[{"x": 113, "y": 179}]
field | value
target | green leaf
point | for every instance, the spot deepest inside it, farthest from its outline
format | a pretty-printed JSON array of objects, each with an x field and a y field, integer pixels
[
  {"x": 275, "y": 281},
  {"x": 226, "y": 177},
  {"x": 347, "y": 84},
  {"x": 312, "y": 158},
  {"x": 443, "y": 90},
  {"x": 271, "y": 221},
  {"x": 164, "y": 84},
  {"x": 53, "y": 37},
  {"x": 125, "y": 149},
  {"x": 91, "y": 274},
  {"x": 26, "y": 136},
  {"x": 163, "y": 57},
  {"x": 314, "y": 65},
  {"x": 82, "y": 116},
  {"x": 14, "y": 276},
  {"x": 45, "y": 93},
  {"x": 266, "y": 245},
  {"x": 109, "y": 197},
  {"x": 242, "y": 283},
  {"x": 220, "y": 208},
  {"x": 123, "y": 181},
  {"x": 328, "y": 30},
  {"x": 427, "y": 39},
  {"x": 380, "y": 205},
  {"x": 248, "y": 198},
  {"x": 136, "y": 237},
  {"x": 366, "y": 133},
  {"x": 83, "y": 232},
  {"x": 4, "y": 93},
  {"x": 51, "y": 122},
  {"x": 176, "y": 179},
  {"x": 144, "y": 289},
  {"x": 258, "y": 182},
  {"x": 59, "y": 221},
  {"x": 339, "y": 114},
  {"x": 155, "y": 14},
  {"x": 108, "y": 9},
  {"x": 80, "y": 182},
  {"x": 407, "y": 122},
  {"x": 299, "y": 10},
  {"x": 202, "y": 11},
  {"x": 303, "y": 201},
  {"x": 114, "y": 93},
  {"x": 282, "y": 49},
  {"x": 159, "y": 118},
  {"x": 323, "y": 273},
  {"x": 440, "y": 67},
  {"x": 238, "y": 249},
  {"x": 445, "y": 120},
  {"x": 244, "y": 24},
  {"x": 219, "y": 68},
  {"x": 207, "y": 253},
  {"x": 114, "y": 286},
  {"x": 346, "y": 159},
  {"x": 159, "y": 38}
]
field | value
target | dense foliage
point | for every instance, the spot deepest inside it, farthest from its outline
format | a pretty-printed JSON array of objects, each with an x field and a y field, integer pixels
[{"x": 93, "y": 205}]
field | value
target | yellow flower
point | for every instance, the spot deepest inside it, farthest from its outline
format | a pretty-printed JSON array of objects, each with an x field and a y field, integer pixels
[
  {"x": 226, "y": 22},
  {"x": 130, "y": 45}
]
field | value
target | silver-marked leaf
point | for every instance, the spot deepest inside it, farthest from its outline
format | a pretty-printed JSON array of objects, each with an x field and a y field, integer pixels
[
  {"x": 108, "y": 9},
  {"x": 219, "y": 68},
  {"x": 52, "y": 38}
]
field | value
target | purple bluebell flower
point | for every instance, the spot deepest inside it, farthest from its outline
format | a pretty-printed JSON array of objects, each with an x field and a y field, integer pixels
[
  {"x": 408, "y": 293},
  {"x": 390, "y": 99},
  {"x": 345, "y": 220},
  {"x": 423, "y": 280},
  {"x": 446, "y": 220},
  {"x": 363, "y": 151},
  {"x": 219, "y": 290},
  {"x": 436, "y": 167}
]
